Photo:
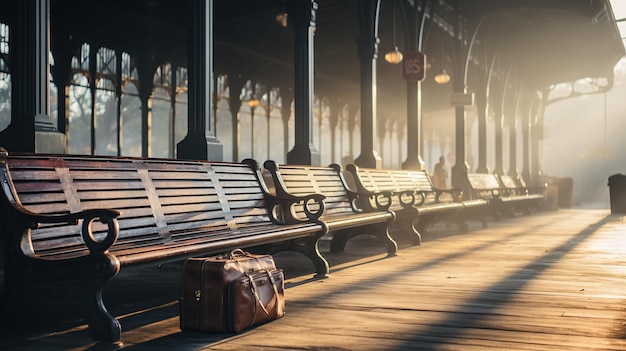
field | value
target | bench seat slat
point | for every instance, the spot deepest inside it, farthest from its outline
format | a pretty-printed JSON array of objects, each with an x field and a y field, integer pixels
[
  {"x": 429, "y": 203},
  {"x": 338, "y": 212},
  {"x": 166, "y": 210}
]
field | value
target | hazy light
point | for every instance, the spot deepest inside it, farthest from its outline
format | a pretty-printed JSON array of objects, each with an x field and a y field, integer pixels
[
  {"x": 394, "y": 56},
  {"x": 443, "y": 77},
  {"x": 619, "y": 10}
]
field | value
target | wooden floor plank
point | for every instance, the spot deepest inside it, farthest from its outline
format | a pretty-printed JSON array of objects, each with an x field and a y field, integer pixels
[{"x": 549, "y": 281}]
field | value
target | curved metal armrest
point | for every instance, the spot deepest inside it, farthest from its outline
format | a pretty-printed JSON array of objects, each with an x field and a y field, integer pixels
[
  {"x": 362, "y": 201},
  {"x": 422, "y": 200},
  {"x": 407, "y": 198},
  {"x": 104, "y": 216},
  {"x": 282, "y": 209},
  {"x": 383, "y": 206},
  {"x": 455, "y": 193},
  {"x": 318, "y": 200}
]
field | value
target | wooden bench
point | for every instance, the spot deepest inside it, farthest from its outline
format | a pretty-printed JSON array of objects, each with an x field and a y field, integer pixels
[
  {"x": 343, "y": 217},
  {"x": 81, "y": 219},
  {"x": 503, "y": 200},
  {"x": 415, "y": 200},
  {"x": 522, "y": 198}
]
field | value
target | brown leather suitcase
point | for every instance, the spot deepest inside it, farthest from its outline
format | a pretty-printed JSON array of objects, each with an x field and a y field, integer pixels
[{"x": 230, "y": 293}]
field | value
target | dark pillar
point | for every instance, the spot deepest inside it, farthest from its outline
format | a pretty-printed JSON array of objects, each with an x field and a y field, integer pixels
[
  {"x": 200, "y": 142},
  {"x": 286, "y": 94},
  {"x": 481, "y": 105},
  {"x": 118, "y": 99},
  {"x": 367, "y": 43},
  {"x": 302, "y": 17},
  {"x": 31, "y": 129},
  {"x": 92, "y": 89},
  {"x": 536, "y": 132},
  {"x": 499, "y": 108},
  {"x": 61, "y": 74},
  {"x": 335, "y": 107},
  {"x": 526, "y": 110},
  {"x": 145, "y": 69},
  {"x": 482, "y": 102},
  {"x": 512, "y": 116},
  {"x": 414, "y": 18},
  {"x": 458, "y": 176},
  {"x": 498, "y": 119},
  {"x": 235, "y": 83},
  {"x": 352, "y": 110}
]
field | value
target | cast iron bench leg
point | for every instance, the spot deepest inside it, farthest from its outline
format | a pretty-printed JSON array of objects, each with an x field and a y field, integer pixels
[
  {"x": 12, "y": 301},
  {"x": 311, "y": 250},
  {"x": 339, "y": 240},
  {"x": 102, "y": 325},
  {"x": 380, "y": 230},
  {"x": 306, "y": 246},
  {"x": 416, "y": 237}
]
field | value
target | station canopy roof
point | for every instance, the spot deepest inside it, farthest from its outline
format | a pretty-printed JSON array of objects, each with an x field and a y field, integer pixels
[{"x": 551, "y": 41}]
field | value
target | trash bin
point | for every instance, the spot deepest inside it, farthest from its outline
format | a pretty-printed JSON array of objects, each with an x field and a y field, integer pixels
[{"x": 617, "y": 193}]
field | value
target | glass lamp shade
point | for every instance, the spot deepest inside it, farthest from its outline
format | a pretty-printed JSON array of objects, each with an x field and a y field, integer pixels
[
  {"x": 253, "y": 102},
  {"x": 394, "y": 57},
  {"x": 442, "y": 78}
]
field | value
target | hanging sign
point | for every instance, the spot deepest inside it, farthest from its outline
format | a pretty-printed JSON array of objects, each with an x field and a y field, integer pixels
[{"x": 413, "y": 66}]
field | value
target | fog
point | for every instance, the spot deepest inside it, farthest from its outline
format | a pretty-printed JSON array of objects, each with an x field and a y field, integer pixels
[{"x": 585, "y": 141}]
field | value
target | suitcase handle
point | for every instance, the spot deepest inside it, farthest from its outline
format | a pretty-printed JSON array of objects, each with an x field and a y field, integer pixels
[{"x": 238, "y": 253}]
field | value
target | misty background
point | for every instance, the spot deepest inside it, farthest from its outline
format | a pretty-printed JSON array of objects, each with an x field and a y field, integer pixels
[{"x": 585, "y": 139}]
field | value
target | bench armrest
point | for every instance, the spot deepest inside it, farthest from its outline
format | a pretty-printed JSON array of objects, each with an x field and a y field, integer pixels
[
  {"x": 455, "y": 193},
  {"x": 361, "y": 197},
  {"x": 408, "y": 198},
  {"x": 282, "y": 209},
  {"x": 362, "y": 201},
  {"x": 32, "y": 220},
  {"x": 497, "y": 192},
  {"x": 282, "y": 206}
]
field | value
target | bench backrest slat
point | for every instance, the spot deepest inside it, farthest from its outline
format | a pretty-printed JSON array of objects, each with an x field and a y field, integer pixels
[
  {"x": 484, "y": 185},
  {"x": 483, "y": 181},
  {"x": 397, "y": 181},
  {"x": 305, "y": 180},
  {"x": 162, "y": 201},
  {"x": 393, "y": 180}
]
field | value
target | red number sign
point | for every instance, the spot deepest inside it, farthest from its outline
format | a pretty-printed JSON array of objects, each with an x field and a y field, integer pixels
[{"x": 413, "y": 66}]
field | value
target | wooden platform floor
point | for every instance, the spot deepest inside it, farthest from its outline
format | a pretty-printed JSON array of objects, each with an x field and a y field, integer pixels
[{"x": 550, "y": 281}]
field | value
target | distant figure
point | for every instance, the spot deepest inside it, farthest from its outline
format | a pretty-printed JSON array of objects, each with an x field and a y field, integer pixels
[{"x": 440, "y": 179}]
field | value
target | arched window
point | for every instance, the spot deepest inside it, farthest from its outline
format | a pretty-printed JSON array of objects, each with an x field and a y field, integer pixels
[
  {"x": 130, "y": 116},
  {"x": 181, "y": 106},
  {"x": 167, "y": 122},
  {"x": 245, "y": 121},
  {"x": 161, "y": 122},
  {"x": 224, "y": 118},
  {"x": 79, "y": 126},
  {"x": 105, "y": 126},
  {"x": 5, "y": 78},
  {"x": 104, "y": 107},
  {"x": 276, "y": 130}
]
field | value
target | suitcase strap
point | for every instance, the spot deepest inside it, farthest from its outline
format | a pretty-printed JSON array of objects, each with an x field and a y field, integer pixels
[{"x": 256, "y": 295}]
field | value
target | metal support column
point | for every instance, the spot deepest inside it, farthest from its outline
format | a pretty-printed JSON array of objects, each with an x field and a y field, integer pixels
[
  {"x": 414, "y": 20},
  {"x": 536, "y": 133},
  {"x": 201, "y": 142},
  {"x": 302, "y": 17},
  {"x": 31, "y": 129},
  {"x": 368, "y": 54}
]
